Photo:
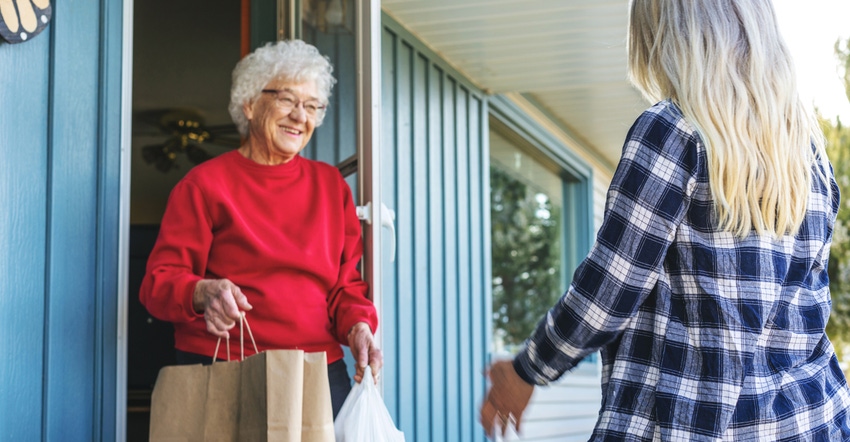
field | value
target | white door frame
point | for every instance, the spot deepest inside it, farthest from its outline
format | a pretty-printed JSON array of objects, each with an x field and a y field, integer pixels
[
  {"x": 368, "y": 42},
  {"x": 124, "y": 221}
]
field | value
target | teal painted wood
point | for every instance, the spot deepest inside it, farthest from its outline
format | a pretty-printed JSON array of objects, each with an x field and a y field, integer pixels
[
  {"x": 109, "y": 229},
  {"x": 450, "y": 271},
  {"x": 420, "y": 244},
  {"x": 433, "y": 170},
  {"x": 479, "y": 289},
  {"x": 263, "y": 22},
  {"x": 23, "y": 239},
  {"x": 390, "y": 321},
  {"x": 59, "y": 194},
  {"x": 72, "y": 221},
  {"x": 402, "y": 204},
  {"x": 336, "y": 139},
  {"x": 463, "y": 200},
  {"x": 436, "y": 229},
  {"x": 578, "y": 228}
]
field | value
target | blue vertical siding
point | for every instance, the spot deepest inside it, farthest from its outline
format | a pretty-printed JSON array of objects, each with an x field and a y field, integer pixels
[
  {"x": 436, "y": 271},
  {"x": 401, "y": 201},
  {"x": 418, "y": 209},
  {"x": 479, "y": 281},
  {"x": 389, "y": 316},
  {"x": 434, "y": 168},
  {"x": 336, "y": 139},
  {"x": 59, "y": 197},
  {"x": 23, "y": 234},
  {"x": 72, "y": 211}
]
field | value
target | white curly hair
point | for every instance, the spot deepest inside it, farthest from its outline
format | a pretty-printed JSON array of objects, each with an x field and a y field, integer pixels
[{"x": 291, "y": 60}]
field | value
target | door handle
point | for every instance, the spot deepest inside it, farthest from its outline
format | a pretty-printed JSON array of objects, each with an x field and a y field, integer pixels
[{"x": 364, "y": 213}]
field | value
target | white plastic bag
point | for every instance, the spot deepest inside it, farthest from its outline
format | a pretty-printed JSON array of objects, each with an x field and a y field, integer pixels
[{"x": 364, "y": 416}]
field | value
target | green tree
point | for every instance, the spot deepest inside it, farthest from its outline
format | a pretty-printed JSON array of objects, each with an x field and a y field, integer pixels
[
  {"x": 526, "y": 256},
  {"x": 838, "y": 149}
]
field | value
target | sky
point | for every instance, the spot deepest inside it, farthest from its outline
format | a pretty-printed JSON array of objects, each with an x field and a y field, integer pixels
[{"x": 810, "y": 28}]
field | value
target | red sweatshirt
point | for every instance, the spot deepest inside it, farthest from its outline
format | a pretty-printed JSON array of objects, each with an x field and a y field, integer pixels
[{"x": 287, "y": 235}]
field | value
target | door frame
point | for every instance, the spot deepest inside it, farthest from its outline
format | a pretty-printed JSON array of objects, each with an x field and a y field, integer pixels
[
  {"x": 368, "y": 42},
  {"x": 124, "y": 222},
  {"x": 368, "y": 147}
]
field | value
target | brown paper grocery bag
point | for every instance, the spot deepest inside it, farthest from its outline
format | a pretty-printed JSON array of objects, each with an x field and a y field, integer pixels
[
  {"x": 317, "y": 422},
  {"x": 195, "y": 403},
  {"x": 177, "y": 403},
  {"x": 277, "y": 395},
  {"x": 285, "y": 396}
]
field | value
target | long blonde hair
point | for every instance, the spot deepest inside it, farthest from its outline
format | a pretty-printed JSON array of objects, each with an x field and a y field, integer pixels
[{"x": 724, "y": 63}]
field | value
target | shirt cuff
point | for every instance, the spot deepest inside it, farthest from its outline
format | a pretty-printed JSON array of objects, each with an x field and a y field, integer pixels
[
  {"x": 189, "y": 301},
  {"x": 523, "y": 367}
]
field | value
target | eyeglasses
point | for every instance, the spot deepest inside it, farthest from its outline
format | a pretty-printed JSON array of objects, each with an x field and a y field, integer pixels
[{"x": 287, "y": 101}]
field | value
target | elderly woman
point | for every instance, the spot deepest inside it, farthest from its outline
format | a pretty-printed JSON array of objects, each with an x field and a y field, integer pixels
[{"x": 265, "y": 231}]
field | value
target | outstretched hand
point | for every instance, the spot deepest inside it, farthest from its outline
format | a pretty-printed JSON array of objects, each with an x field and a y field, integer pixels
[
  {"x": 506, "y": 401},
  {"x": 221, "y": 302},
  {"x": 365, "y": 351}
]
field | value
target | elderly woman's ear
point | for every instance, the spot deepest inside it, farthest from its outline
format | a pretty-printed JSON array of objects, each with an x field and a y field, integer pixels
[{"x": 248, "y": 110}]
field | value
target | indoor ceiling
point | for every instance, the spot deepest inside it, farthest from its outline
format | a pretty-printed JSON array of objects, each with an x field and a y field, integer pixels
[{"x": 566, "y": 56}]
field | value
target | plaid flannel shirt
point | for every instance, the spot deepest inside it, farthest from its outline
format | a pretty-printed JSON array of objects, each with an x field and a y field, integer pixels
[{"x": 703, "y": 336}]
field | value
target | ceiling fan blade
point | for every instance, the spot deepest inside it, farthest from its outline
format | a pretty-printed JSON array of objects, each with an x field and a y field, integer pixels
[{"x": 196, "y": 154}]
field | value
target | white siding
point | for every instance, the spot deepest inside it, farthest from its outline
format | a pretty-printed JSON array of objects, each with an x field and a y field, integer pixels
[{"x": 566, "y": 410}]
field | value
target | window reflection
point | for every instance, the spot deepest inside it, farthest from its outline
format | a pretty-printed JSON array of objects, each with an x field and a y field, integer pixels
[{"x": 526, "y": 217}]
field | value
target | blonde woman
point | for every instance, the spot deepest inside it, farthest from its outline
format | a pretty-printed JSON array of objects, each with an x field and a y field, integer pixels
[{"x": 706, "y": 290}]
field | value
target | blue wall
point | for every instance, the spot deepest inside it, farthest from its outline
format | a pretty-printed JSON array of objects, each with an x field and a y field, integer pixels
[
  {"x": 336, "y": 139},
  {"x": 59, "y": 188},
  {"x": 436, "y": 302}
]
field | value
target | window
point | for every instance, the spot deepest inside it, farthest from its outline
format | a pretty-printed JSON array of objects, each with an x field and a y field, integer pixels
[{"x": 526, "y": 209}]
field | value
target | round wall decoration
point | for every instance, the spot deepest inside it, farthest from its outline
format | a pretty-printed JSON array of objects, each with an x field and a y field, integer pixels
[{"x": 21, "y": 20}]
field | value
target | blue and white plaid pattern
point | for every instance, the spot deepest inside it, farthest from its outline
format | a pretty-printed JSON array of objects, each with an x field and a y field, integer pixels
[{"x": 703, "y": 336}]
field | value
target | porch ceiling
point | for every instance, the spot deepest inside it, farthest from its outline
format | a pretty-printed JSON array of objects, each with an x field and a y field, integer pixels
[{"x": 568, "y": 56}]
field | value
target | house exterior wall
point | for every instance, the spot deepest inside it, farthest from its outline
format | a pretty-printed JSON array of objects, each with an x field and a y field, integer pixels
[
  {"x": 60, "y": 144},
  {"x": 419, "y": 90},
  {"x": 60, "y": 188},
  {"x": 435, "y": 173}
]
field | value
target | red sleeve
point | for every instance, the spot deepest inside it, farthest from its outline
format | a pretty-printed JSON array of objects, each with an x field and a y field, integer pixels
[
  {"x": 348, "y": 303},
  {"x": 179, "y": 257}
]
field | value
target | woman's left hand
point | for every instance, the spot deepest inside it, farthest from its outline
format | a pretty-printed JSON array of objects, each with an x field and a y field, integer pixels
[
  {"x": 365, "y": 351},
  {"x": 505, "y": 402}
]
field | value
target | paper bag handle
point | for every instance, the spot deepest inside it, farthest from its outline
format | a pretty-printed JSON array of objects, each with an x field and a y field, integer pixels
[{"x": 242, "y": 320}]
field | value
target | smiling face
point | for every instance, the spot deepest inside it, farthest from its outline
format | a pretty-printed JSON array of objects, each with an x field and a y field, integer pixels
[{"x": 277, "y": 131}]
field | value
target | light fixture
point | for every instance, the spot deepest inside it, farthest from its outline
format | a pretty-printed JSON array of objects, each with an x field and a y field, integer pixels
[
  {"x": 328, "y": 16},
  {"x": 335, "y": 13}
]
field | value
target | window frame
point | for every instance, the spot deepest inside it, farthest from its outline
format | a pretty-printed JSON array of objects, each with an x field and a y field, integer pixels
[{"x": 515, "y": 124}]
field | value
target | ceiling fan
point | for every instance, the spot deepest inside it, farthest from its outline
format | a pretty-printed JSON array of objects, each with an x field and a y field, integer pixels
[{"x": 187, "y": 135}]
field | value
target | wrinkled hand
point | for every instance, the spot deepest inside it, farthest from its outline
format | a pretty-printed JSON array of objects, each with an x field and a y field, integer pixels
[
  {"x": 220, "y": 301},
  {"x": 505, "y": 402},
  {"x": 365, "y": 351}
]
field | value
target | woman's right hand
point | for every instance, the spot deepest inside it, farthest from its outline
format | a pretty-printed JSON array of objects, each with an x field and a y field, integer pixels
[{"x": 221, "y": 302}]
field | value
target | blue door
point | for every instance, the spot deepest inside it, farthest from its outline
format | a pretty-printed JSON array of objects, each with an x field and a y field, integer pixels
[{"x": 60, "y": 186}]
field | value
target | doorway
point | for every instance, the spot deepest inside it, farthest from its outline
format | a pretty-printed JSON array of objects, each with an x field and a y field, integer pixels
[{"x": 184, "y": 53}]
